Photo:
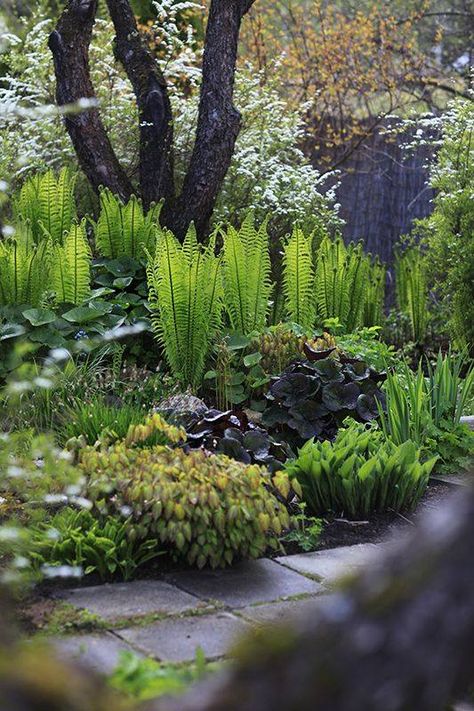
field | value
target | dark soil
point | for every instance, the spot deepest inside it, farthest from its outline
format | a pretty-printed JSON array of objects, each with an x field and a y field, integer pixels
[{"x": 342, "y": 532}]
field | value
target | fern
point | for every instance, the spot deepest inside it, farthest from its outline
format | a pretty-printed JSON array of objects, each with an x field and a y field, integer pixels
[
  {"x": 298, "y": 280},
  {"x": 71, "y": 267},
  {"x": 331, "y": 291},
  {"x": 355, "y": 283},
  {"x": 375, "y": 294},
  {"x": 246, "y": 274},
  {"x": 47, "y": 203},
  {"x": 24, "y": 269},
  {"x": 412, "y": 290},
  {"x": 185, "y": 296},
  {"x": 124, "y": 230},
  {"x": 348, "y": 287}
]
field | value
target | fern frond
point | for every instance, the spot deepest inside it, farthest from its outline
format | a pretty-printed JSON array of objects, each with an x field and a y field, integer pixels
[
  {"x": 71, "y": 267},
  {"x": 124, "y": 230},
  {"x": 184, "y": 295},
  {"x": 246, "y": 275},
  {"x": 47, "y": 202},
  {"x": 234, "y": 266},
  {"x": 298, "y": 280}
]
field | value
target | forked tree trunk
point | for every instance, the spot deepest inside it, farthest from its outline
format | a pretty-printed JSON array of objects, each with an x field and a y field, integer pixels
[
  {"x": 218, "y": 119},
  {"x": 400, "y": 638}
]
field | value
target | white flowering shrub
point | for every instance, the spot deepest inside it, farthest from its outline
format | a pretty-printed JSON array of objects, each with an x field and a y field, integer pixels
[
  {"x": 268, "y": 174},
  {"x": 449, "y": 231}
]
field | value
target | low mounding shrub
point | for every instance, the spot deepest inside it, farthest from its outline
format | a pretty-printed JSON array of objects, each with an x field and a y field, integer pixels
[
  {"x": 312, "y": 397},
  {"x": 207, "y": 509},
  {"x": 359, "y": 474}
]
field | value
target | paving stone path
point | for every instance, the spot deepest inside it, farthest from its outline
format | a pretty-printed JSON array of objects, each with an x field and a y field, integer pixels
[{"x": 169, "y": 619}]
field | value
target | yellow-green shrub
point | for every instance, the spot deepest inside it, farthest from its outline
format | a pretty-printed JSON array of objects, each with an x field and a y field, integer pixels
[{"x": 206, "y": 509}]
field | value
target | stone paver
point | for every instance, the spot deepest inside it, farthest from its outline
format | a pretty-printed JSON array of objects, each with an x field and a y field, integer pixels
[
  {"x": 245, "y": 583},
  {"x": 284, "y": 611},
  {"x": 328, "y": 565},
  {"x": 99, "y": 652},
  {"x": 176, "y": 639},
  {"x": 122, "y": 600}
]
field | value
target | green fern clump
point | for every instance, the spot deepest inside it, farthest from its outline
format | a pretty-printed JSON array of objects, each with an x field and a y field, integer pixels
[
  {"x": 298, "y": 280},
  {"x": 47, "y": 203},
  {"x": 124, "y": 230},
  {"x": 185, "y": 295},
  {"x": 71, "y": 267},
  {"x": 24, "y": 269},
  {"x": 330, "y": 280},
  {"x": 246, "y": 275},
  {"x": 375, "y": 294},
  {"x": 348, "y": 286},
  {"x": 412, "y": 290}
]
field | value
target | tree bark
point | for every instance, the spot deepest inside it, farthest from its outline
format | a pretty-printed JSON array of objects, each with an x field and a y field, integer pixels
[
  {"x": 156, "y": 120},
  {"x": 399, "y": 638},
  {"x": 218, "y": 120},
  {"x": 69, "y": 44}
]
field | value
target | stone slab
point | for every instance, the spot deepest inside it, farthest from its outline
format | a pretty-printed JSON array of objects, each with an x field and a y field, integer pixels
[
  {"x": 246, "y": 583},
  {"x": 176, "y": 639},
  {"x": 99, "y": 652},
  {"x": 328, "y": 565},
  {"x": 122, "y": 600},
  {"x": 284, "y": 611}
]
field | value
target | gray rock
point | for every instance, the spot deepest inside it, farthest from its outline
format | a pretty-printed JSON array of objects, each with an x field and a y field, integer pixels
[
  {"x": 182, "y": 409},
  {"x": 176, "y": 640},
  {"x": 122, "y": 600},
  {"x": 328, "y": 565},
  {"x": 100, "y": 652},
  {"x": 245, "y": 583}
]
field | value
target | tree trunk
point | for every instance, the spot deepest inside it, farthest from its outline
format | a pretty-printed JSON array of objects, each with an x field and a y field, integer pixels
[
  {"x": 399, "y": 638},
  {"x": 218, "y": 119},
  {"x": 69, "y": 44},
  {"x": 156, "y": 120}
]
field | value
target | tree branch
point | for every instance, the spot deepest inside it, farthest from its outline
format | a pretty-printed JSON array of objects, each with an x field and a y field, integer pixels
[
  {"x": 156, "y": 121},
  {"x": 218, "y": 120},
  {"x": 400, "y": 637},
  {"x": 69, "y": 44}
]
